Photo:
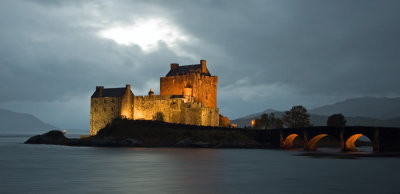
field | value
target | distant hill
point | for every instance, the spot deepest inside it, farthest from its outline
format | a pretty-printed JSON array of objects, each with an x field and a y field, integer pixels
[
  {"x": 367, "y": 111},
  {"x": 378, "y": 108},
  {"x": 15, "y": 123}
]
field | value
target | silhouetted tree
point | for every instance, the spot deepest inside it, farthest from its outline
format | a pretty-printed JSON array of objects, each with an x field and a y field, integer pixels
[
  {"x": 159, "y": 116},
  {"x": 277, "y": 123},
  {"x": 336, "y": 120},
  {"x": 257, "y": 123},
  {"x": 296, "y": 117},
  {"x": 268, "y": 121}
]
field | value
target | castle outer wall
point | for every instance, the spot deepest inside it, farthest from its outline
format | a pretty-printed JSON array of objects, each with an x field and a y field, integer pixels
[{"x": 175, "y": 110}]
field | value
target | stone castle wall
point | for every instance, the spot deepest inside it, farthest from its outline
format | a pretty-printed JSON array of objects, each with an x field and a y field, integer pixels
[
  {"x": 102, "y": 111},
  {"x": 210, "y": 116},
  {"x": 145, "y": 107},
  {"x": 175, "y": 110},
  {"x": 204, "y": 88},
  {"x": 127, "y": 110}
]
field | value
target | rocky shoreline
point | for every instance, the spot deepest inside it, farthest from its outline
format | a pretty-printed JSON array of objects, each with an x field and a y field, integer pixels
[{"x": 56, "y": 137}]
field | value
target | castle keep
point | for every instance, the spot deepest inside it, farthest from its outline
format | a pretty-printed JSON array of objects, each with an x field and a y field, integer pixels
[{"x": 188, "y": 95}]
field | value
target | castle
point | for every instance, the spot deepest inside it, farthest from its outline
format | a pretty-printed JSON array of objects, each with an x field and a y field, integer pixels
[{"x": 188, "y": 95}]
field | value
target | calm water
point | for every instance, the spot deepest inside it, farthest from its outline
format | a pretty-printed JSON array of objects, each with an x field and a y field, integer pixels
[{"x": 61, "y": 169}]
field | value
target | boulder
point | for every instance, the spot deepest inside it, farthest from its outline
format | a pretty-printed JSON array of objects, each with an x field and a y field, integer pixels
[{"x": 52, "y": 137}]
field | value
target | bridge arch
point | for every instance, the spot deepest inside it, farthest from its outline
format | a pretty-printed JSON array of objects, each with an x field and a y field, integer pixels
[
  {"x": 313, "y": 143},
  {"x": 350, "y": 144},
  {"x": 288, "y": 141}
]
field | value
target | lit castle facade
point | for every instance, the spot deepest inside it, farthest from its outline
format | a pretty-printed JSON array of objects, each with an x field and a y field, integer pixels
[{"x": 188, "y": 95}]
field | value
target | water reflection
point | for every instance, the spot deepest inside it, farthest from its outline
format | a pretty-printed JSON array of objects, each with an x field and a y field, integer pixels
[{"x": 62, "y": 169}]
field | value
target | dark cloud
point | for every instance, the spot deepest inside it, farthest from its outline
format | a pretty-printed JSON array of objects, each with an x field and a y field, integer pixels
[{"x": 267, "y": 54}]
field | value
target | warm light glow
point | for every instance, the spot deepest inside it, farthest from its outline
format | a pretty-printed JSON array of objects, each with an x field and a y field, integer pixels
[
  {"x": 312, "y": 144},
  {"x": 124, "y": 113},
  {"x": 288, "y": 143},
  {"x": 138, "y": 115},
  {"x": 146, "y": 33},
  {"x": 253, "y": 122},
  {"x": 350, "y": 142}
]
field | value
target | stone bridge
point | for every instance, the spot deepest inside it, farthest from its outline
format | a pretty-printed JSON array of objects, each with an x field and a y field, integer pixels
[{"x": 383, "y": 139}]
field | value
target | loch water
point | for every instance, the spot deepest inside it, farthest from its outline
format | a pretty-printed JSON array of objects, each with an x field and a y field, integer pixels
[{"x": 62, "y": 169}]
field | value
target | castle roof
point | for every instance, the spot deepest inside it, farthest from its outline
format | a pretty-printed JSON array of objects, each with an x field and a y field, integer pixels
[
  {"x": 186, "y": 69},
  {"x": 110, "y": 92}
]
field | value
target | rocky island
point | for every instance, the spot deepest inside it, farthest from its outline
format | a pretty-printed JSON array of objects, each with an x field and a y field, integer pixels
[{"x": 144, "y": 133}]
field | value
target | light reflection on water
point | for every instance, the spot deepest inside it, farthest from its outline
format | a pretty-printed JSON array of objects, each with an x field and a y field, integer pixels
[{"x": 62, "y": 169}]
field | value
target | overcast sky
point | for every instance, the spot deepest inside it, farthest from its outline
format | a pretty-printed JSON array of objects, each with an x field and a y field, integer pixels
[{"x": 267, "y": 54}]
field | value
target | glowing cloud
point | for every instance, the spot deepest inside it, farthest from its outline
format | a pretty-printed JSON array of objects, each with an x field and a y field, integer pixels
[{"x": 146, "y": 33}]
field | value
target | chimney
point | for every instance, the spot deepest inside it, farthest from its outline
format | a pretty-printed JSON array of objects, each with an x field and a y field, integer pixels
[
  {"x": 151, "y": 92},
  {"x": 174, "y": 66},
  {"x": 128, "y": 86},
  {"x": 203, "y": 64},
  {"x": 100, "y": 89}
]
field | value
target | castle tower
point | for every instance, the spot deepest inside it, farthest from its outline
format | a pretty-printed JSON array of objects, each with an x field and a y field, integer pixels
[
  {"x": 107, "y": 104},
  {"x": 203, "y": 84},
  {"x": 188, "y": 90}
]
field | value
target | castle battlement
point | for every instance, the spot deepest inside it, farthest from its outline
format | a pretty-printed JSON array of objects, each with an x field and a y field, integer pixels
[{"x": 188, "y": 95}]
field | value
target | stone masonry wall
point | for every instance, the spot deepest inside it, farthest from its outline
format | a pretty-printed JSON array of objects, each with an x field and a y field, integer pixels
[
  {"x": 204, "y": 87},
  {"x": 175, "y": 110},
  {"x": 145, "y": 107},
  {"x": 127, "y": 110},
  {"x": 102, "y": 111}
]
